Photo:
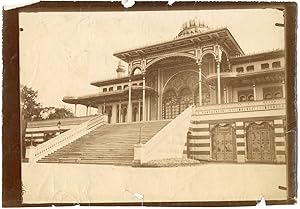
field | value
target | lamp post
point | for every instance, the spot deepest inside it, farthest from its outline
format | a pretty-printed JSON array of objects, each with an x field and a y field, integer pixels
[
  {"x": 31, "y": 140},
  {"x": 140, "y": 135},
  {"x": 59, "y": 126}
]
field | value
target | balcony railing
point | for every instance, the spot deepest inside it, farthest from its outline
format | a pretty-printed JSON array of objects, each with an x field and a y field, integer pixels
[
  {"x": 249, "y": 106},
  {"x": 244, "y": 72}
]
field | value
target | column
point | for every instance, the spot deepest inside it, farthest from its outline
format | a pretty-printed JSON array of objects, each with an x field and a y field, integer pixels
[
  {"x": 254, "y": 92},
  {"x": 144, "y": 98},
  {"x": 219, "y": 82},
  {"x": 283, "y": 89},
  {"x": 87, "y": 110},
  {"x": 139, "y": 110},
  {"x": 90, "y": 110},
  {"x": 225, "y": 95},
  {"x": 159, "y": 94},
  {"x": 129, "y": 114},
  {"x": 120, "y": 110},
  {"x": 148, "y": 108},
  {"x": 75, "y": 111},
  {"x": 200, "y": 84},
  {"x": 114, "y": 113}
]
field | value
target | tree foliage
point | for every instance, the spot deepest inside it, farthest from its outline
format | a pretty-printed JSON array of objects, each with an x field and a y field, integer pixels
[
  {"x": 32, "y": 110},
  {"x": 30, "y": 107},
  {"x": 55, "y": 113}
]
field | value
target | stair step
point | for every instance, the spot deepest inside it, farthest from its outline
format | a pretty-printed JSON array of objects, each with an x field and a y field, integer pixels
[{"x": 109, "y": 144}]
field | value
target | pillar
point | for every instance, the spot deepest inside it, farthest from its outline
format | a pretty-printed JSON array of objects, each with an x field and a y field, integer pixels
[
  {"x": 148, "y": 108},
  {"x": 144, "y": 98},
  {"x": 254, "y": 92},
  {"x": 139, "y": 110},
  {"x": 159, "y": 95},
  {"x": 129, "y": 109},
  {"x": 120, "y": 110},
  {"x": 200, "y": 83},
  {"x": 75, "y": 111},
  {"x": 225, "y": 94},
  {"x": 219, "y": 82},
  {"x": 87, "y": 110},
  {"x": 90, "y": 110},
  {"x": 283, "y": 89},
  {"x": 114, "y": 113}
]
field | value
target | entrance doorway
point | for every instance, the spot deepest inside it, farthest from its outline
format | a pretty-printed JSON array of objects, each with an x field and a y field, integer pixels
[
  {"x": 223, "y": 143},
  {"x": 260, "y": 142}
]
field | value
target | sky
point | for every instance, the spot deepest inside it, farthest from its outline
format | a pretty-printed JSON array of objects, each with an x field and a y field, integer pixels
[{"x": 61, "y": 53}]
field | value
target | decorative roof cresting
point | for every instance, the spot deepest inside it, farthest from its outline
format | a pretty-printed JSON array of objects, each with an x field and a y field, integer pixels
[{"x": 192, "y": 27}]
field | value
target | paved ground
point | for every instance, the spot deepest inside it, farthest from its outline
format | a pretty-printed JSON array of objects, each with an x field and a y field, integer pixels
[{"x": 99, "y": 183}]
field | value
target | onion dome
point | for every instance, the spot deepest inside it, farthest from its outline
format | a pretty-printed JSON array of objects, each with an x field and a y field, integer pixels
[{"x": 192, "y": 27}]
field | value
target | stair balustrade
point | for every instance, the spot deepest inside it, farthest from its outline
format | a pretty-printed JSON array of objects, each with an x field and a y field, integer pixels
[{"x": 35, "y": 153}]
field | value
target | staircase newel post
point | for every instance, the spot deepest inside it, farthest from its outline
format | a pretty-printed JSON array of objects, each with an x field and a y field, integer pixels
[
  {"x": 138, "y": 155},
  {"x": 30, "y": 153}
]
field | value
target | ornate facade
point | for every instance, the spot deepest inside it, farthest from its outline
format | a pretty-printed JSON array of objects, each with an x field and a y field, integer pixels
[{"x": 238, "y": 100}]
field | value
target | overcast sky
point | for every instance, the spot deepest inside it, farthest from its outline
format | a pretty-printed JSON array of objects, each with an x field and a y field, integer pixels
[{"x": 61, "y": 53}]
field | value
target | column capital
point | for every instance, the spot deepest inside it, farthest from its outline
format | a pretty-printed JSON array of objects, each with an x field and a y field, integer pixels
[
  {"x": 199, "y": 63},
  {"x": 218, "y": 61}
]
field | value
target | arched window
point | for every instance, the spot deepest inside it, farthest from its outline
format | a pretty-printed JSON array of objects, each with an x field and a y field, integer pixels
[
  {"x": 274, "y": 92},
  {"x": 250, "y": 97},
  {"x": 136, "y": 71},
  {"x": 170, "y": 105},
  {"x": 242, "y": 98},
  {"x": 245, "y": 95},
  {"x": 277, "y": 95}
]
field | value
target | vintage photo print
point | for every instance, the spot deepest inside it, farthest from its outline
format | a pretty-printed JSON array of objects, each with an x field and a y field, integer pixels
[{"x": 155, "y": 105}]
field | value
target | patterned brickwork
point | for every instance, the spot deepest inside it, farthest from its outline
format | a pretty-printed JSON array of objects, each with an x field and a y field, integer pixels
[
  {"x": 280, "y": 141},
  {"x": 198, "y": 144},
  {"x": 240, "y": 142},
  {"x": 199, "y": 140}
]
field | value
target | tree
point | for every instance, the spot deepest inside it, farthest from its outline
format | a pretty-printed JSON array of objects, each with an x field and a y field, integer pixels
[
  {"x": 56, "y": 113},
  {"x": 32, "y": 110},
  {"x": 30, "y": 107}
]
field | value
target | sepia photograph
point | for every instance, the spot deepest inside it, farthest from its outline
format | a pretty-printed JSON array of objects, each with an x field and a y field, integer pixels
[{"x": 153, "y": 106}]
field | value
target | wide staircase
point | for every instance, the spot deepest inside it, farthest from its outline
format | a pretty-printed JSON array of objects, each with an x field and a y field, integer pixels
[{"x": 111, "y": 144}]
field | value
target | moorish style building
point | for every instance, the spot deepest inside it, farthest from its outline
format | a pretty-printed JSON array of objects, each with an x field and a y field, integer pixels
[{"x": 209, "y": 100}]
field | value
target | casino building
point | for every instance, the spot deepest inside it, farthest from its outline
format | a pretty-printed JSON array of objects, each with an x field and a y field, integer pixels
[{"x": 215, "y": 103}]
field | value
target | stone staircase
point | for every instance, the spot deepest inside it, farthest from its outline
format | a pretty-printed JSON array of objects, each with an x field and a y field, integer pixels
[{"x": 111, "y": 144}]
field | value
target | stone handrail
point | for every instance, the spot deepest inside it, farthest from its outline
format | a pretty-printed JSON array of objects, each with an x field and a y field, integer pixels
[
  {"x": 239, "y": 107},
  {"x": 168, "y": 142},
  {"x": 35, "y": 153}
]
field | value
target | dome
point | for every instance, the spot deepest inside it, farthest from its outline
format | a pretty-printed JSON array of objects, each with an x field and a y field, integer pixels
[{"x": 192, "y": 27}]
